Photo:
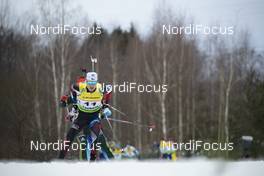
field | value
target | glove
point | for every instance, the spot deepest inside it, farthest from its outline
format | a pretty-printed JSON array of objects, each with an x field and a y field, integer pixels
[
  {"x": 72, "y": 115},
  {"x": 107, "y": 112},
  {"x": 63, "y": 100}
]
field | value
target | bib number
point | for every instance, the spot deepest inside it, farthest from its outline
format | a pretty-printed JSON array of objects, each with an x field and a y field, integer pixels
[{"x": 90, "y": 105}]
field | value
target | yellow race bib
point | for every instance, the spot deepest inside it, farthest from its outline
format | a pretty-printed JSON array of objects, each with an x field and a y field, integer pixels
[{"x": 89, "y": 101}]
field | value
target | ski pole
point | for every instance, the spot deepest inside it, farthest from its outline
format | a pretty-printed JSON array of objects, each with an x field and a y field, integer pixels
[
  {"x": 107, "y": 119},
  {"x": 65, "y": 117},
  {"x": 150, "y": 127},
  {"x": 116, "y": 110}
]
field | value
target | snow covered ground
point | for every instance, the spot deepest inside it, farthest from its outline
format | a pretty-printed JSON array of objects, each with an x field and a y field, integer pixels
[{"x": 197, "y": 167}]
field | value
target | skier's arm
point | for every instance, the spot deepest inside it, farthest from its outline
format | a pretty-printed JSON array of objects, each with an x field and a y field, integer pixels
[
  {"x": 70, "y": 99},
  {"x": 73, "y": 95},
  {"x": 64, "y": 100},
  {"x": 107, "y": 91}
]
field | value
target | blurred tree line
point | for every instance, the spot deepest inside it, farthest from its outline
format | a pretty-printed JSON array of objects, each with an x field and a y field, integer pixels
[{"x": 215, "y": 94}]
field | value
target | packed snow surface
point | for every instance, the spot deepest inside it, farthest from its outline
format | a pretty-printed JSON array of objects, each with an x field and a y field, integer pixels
[{"x": 192, "y": 167}]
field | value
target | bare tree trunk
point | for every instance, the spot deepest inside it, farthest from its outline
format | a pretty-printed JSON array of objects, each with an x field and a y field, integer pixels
[
  {"x": 193, "y": 118},
  {"x": 137, "y": 96},
  {"x": 139, "y": 130},
  {"x": 114, "y": 70},
  {"x": 220, "y": 111},
  {"x": 193, "y": 94},
  {"x": 163, "y": 116},
  {"x": 163, "y": 100},
  {"x": 227, "y": 94},
  {"x": 163, "y": 54},
  {"x": 62, "y": 65},
  {"x": 211, "y": 104},
  {"x": 180, "y": 115},
  {"x": 49, "y": 112},
  {"x": 188, "y": 112},
  {"x": 55, "y": 90},
  {"x": 37, "y": 102}
]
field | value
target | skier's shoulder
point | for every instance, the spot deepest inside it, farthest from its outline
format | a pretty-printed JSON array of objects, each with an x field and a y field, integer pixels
[
  {"x": 107, "y": 88},
  {"x": 99, "y": 86},
  {"x": 81, "y": 83}
]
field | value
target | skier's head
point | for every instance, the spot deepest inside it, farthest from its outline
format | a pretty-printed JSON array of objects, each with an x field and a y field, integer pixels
[{"x": 91, "y": 80}]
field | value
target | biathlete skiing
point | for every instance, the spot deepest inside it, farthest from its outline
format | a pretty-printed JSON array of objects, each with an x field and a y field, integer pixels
[{"x": 88, "y": 98}]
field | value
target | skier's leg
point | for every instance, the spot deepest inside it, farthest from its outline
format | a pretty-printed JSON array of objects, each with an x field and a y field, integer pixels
[
  {"x": 93, "y": 155},
  {"x": 86, "y": 132},
  {"x": 82, "y": 141},
  {"x": 90, "y": 142},
  {"x": 77, "y": 125},
  {"x": 69, "y": 139},
  {"x": 96, "y": 128}
]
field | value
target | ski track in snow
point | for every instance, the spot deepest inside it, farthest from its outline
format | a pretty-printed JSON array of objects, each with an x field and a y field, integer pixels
[{"x": 194, "y": 167}]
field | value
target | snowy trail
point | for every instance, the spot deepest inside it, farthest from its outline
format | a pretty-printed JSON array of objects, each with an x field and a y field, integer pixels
[{"x": 135, "y": 168}]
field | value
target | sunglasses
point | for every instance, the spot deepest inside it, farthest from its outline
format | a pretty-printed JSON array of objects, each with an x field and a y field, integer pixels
[{"x": 92, "y": 83}]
